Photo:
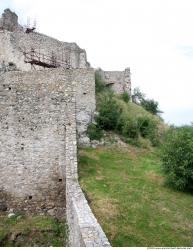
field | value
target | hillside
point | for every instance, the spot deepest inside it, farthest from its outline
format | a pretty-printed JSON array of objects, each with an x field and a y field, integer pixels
[
  {"x": 123, "y": 179},
  {"x": 126, "y": 193},
  {"x": 130, "y": 121}
]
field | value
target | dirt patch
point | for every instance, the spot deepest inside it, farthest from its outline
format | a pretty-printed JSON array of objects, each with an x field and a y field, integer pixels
[
  {"x": 106, "y": 207},
  {"x": 88, "y": 154},
  {"x": 152, "y": 176},
  {"x": 99, "y": 178},
  {"x": 113, "y": 231}
]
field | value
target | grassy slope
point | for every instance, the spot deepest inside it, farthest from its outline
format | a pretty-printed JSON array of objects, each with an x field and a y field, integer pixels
[
  {"x": 133, "y": 111},
  {"x": 29, "y": 231},
  {"x": 126, "y": 193},
  {"x": 130, "y": 108}
]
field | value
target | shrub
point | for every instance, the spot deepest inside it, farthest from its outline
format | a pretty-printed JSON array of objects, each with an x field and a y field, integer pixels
[
  {"x": 148, "y": 104},
  {"x": 99, "y": 83},
  {"x": 151, "y": 106},
  {"x": 125, "y": 97},
  {"x": 177, "y": 157},
  {"x": 145, "y": 126},
  {"x": 109, "y": 113},
  {"x": 118, "y": 115},
  {"x": 128, "y": 127},
  {"x": 94, "y": 132},
  {"x": 137, "y": 96},
  {"x": 148, "y": 129}
]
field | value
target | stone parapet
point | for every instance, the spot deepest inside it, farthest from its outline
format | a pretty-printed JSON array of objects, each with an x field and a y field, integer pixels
[{"x": 84, "y": 230}]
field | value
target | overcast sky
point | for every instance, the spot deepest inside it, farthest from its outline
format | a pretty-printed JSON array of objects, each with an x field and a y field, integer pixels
[{"x": 152, "y": 37}]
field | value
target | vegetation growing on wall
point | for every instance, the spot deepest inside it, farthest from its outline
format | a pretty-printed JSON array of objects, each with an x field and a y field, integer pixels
[
  {"x": 99, "y": 83},
  {"x": 94, "y": 132}
]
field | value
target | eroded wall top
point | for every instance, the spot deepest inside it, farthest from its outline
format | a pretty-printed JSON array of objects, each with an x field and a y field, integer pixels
[
  {"x": 9, "y": 21},
  {"x": 21, "y": 46}
]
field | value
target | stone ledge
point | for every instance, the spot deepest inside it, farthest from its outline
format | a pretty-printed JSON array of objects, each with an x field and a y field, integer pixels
[{"x": 84, "y": 230}]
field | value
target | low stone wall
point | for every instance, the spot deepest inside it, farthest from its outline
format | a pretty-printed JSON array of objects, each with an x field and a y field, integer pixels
[{"x": 84, "y": 230}]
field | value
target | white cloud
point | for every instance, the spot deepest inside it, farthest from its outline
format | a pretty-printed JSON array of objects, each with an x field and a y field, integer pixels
[{"x": 146, "y": 35}]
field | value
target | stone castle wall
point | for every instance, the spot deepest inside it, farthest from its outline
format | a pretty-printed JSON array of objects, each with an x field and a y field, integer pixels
[
  {"x": 32, "y": 124},
  {"x": 84, "y": 80},
  {"x": 42, "y": 114},
  {"x": 118, "y": 81},
  {"x": 32, "y": 140},
  {"x": 38, "y": 124}
]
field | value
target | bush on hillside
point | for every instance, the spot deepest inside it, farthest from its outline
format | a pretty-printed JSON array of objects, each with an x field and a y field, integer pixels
[
  {"x": 148, "y": 104},
  {"x": 94, "y": 132},
  {"x": 109, "y": 113},
  {"x": 128, "y": 127},
  {"x": 115, "y": 115},
  {"x": 125, "y": 97},
  {"x": 151, "y": 106},
  {"x": 177, "y": 157},
  {"x": 137, "y": 96},
  {"x": 148, "y": 129},
  {"x": 112, "y": 116}
]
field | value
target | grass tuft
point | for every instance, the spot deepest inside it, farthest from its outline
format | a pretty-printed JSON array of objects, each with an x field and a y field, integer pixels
[{"x": 31, "y": 231}]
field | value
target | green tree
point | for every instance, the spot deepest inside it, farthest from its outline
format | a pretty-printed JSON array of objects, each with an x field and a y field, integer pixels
[
  {"x": 177, "y": 157},
  {"x": 137, "y": 96},
  {"x": 151, "y": 106}
]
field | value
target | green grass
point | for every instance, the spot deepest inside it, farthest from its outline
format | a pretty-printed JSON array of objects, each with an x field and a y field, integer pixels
[
  {"x": 30, "y": 231},
  {"x": 126, "y": 193}
]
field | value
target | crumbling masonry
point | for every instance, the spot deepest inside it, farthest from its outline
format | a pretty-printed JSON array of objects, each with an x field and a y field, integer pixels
[{"x": 47, "y": 100}]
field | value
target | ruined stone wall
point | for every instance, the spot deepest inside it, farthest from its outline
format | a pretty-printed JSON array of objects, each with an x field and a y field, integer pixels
[
  {"x": 38, "y": 147},
  {"x": 15, "y": 41},
  {"x": 14, "y": 44},
  {"x": 32, "y": 125},
  {"x": 9, "y": 21},
  {"x": 32, "y": 134},
  {"x": 84, "y": 80},
  {"x": 84, "y": 230},
  {"x": 118, "y": 81}
]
